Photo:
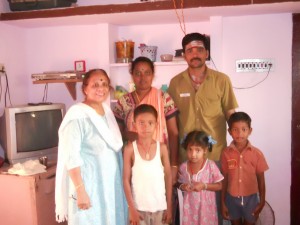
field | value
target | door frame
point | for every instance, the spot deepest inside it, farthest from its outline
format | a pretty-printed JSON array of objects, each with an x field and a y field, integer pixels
[{"x": 295, "y": 124}]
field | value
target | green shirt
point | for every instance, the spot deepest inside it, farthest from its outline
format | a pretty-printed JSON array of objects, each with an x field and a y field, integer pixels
[{"x": 203, "y": 109}]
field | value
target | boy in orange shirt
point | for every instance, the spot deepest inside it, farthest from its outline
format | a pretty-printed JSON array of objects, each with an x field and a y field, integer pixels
[{"x": 243, "y": 167}]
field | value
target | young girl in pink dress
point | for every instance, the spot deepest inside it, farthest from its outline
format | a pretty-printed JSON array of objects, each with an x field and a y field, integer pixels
[{"x": 198, "y": 180}]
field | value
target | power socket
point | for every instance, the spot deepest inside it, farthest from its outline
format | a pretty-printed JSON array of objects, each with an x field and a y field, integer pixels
[{"x": 255, "y": 65}]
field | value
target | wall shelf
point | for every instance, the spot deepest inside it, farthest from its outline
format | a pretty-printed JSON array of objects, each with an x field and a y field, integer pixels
[
  {"x": 70, "y": 84},
  {"x": 182, "y": 62},
  {"x": 173, "y": 63}
]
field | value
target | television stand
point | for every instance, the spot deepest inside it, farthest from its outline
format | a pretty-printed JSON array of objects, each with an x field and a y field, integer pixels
[{"x": 28, "y": 200}]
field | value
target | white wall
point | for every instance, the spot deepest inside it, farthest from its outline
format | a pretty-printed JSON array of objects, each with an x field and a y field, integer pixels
[
  {"x": 266, "y": 36},
  {"x": 269, "y": 103}
]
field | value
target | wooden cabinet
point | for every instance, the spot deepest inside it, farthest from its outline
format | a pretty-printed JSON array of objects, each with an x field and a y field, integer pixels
[{"x": 28, "y": 200}]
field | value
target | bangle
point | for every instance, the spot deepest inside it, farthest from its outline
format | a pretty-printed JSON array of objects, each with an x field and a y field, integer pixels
[
  {"x": 180, "y": 187},
  {"x": 205, "y": 186},
  {"x": 175, "y": 166},
  {"x": 78, "y": 186}
]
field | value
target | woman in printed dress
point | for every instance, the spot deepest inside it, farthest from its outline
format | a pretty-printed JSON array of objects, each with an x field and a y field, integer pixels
[{"x": 142, "y": 73}]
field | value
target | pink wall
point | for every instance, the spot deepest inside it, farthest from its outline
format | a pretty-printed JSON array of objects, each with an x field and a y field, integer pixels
[
  {"x": 31, "y": 50},
  {"x": 56, "y": 49},
  {"x": 12, "y": 55},
  {"x": 269, "y": 103}
]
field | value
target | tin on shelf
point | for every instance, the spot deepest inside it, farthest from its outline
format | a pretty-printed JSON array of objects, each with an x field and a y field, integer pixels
[{"x": 125, "y": 51}]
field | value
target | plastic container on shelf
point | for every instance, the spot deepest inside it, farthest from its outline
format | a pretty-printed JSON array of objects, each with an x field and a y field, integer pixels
[
  {"x": 125, "y": 51},
  {"x": 149, "y": 52},
  {"x": 166, "y": 57}
]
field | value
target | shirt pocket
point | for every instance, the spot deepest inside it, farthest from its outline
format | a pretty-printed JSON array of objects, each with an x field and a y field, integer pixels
[
  {"x": 210, "y": 104},
  {"x": 232, "y": 164}
]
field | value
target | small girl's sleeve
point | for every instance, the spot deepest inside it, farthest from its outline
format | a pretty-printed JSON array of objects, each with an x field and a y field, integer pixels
[{"x": 217, "y": 175}]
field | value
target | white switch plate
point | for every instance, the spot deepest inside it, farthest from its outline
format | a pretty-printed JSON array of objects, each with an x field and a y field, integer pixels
[{"x": 255, "y": 65}]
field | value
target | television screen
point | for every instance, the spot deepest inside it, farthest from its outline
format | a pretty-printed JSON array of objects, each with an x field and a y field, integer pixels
[{"x": 37, "y": 130}]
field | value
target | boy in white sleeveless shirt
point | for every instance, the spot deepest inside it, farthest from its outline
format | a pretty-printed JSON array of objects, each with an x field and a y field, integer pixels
[{"x": 147, "y": 173}]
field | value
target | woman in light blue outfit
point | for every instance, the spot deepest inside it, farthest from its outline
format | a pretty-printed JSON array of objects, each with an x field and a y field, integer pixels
[{"x": 89, "y": 187}]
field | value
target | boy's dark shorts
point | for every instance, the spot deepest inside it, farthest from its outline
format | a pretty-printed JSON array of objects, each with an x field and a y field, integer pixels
[{"x": 242, "y": 207}]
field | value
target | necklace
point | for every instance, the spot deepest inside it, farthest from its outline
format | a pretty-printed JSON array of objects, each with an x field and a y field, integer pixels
[
  {"x": 147, "y": 155},
  {"x": 144, "y": 95},
  {"x": 195, "y": 172},
  {"x": 197, "y": 80},
  {"x": 137, "y": 97}
]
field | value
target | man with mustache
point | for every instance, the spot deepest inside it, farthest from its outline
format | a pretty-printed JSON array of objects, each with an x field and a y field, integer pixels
[{"x": 204, "y": 97}]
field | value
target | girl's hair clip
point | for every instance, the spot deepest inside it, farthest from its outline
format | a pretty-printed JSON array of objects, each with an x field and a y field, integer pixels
[{"x": 211, "y": 140}]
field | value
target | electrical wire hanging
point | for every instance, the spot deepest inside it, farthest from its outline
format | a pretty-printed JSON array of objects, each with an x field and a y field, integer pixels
[
  {"x": 181, "y": 20},
  {"x": 211, "y": 59},
  {"x": 6, "y": 92},
  {"x": 252, "y": 86},
  {"x": 45, "y": 96}
]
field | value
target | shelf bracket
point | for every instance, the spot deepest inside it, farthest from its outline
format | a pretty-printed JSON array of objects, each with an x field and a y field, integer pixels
[
  {"x": 69, "y": 83},
  {"x": 72, "y": 89}
]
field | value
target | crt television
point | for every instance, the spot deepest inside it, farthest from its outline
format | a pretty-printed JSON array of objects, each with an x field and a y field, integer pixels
[{"x": 31, "y": 131}]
